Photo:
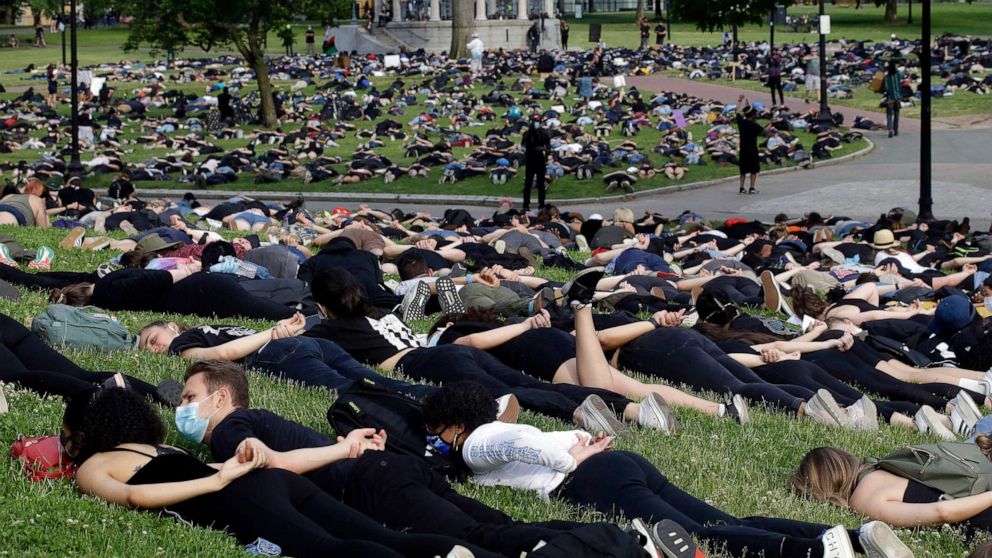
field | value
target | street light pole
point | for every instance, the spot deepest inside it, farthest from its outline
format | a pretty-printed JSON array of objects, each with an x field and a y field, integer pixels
[
  {"x": 75, "y": 166},
  {"x": 910, "y": 18},
  {"x": 824, "y": 117},
  {"x": 62, "y": 25},
  {"x": 771, "y": 28},
  {"x": 926, "y": 193}
]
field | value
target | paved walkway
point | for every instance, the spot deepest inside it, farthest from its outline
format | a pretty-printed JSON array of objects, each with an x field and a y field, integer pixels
[
  {"x": 727, "y": 94},
  {"x": 862, "y": 189}
]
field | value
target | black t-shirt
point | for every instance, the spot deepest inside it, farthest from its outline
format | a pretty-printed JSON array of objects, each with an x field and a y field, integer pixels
[
  {"x": 368, "y": 340},
  {"x": 207, "y": 336},
  {"x": 609, "y": 235},
  {"x": 280, "y": 435},
  {"x": 131, "y": 289}
]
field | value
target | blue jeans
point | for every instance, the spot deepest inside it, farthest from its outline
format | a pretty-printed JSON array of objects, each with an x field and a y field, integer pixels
[{"x": 322, "y": 363}]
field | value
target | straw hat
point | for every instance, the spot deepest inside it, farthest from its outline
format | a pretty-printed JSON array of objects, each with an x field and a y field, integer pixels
[{"x": 883, "y": 240}]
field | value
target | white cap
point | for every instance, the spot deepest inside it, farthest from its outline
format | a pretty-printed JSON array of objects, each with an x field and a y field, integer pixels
[
  {"x": 595, "y": 217},
  {"x": 892, "y": 36},
  {"x": 631, "y": 170},
  {"x": 476, "y": 35}
]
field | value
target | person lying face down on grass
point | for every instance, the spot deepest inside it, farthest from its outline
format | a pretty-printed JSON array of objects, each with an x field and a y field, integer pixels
[
  {"x": 579, "y": 468},
  {"x": 119, "y": 444},
  {"x": 399, "y": 491}
]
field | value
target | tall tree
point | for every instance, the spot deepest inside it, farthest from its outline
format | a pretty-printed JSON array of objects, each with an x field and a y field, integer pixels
[
  {"x": 890, "y": 9},
  {"x": 712, "y": 15},
  {"x": 169, "y": 25},
  {"x": 462, "y": 16},
  {"x": 592, "y": 7},
  {"x": 640, "y": 9}
]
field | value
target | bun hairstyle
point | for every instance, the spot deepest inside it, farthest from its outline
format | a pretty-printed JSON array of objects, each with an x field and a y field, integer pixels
[{"x": 77, "y": 294}]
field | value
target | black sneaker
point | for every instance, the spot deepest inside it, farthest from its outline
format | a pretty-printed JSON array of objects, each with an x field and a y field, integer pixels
[
  {"x": 582, "y": 287},
  {"x": 458, "y": 270},
  {"x": 447, "y": 295},
  {"x": 673, "y": 540},
  {"x": 737, "y": 409}
]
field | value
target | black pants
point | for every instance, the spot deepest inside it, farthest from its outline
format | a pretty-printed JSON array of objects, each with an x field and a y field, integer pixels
[
  {"x": 740, "y": 290},
  {"x": 45, "y": 279},
  {"x": 449, "y": 363},
  {"x": 294, "y": 513},
  {"x": 775, "y": 84},
  {"x": 849, "y": 368},
  {"x": 31, "y": 363},
  {"x": 684, "y": 356},
  {"x": 625, "y": 483},
  {"x": 810, "y": 375},
  {"x": 217, "y": 295},
  {"x": 536, "y": 170},
  {"x": 404, "y": 493}
]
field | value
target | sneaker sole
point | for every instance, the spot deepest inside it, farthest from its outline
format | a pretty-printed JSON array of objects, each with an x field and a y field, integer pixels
[
  {"x": 773, "y": 298},
  {"x": 931, "y": 422},
  {"x": 74, "y": 239},
  {"x": 870, "y": 420},
  {"x": 879, "y": 541},
  {"x": 603, "y": 416},
  {"x": 577, "y": 280},
  {"x": 827, "y": 405},
  {"x": 415, "y": 310},
  {"x": 673, "y": 540},
  {"x": 743, "y": 410},
  {"x": 671, "y": 423},
  {"x": 447, "y": 295}
]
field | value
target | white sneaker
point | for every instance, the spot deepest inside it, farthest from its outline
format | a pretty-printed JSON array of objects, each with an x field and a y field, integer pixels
[
  {"x": 983, "y": 386},
  {"x": 459, "y": 551},
  {"x": 654, "y": 413},
  {"x": 597, "y": 417},
  {"x": 879, "y": 541},
  {"x": 928, "y": 420},
  {"x": 967, "y": 405},
  {"x": 962, "y": 423},
  {"x": 507, "y": 408},
  {"x": 837, "y": 543},
  {"x": 581, "y": 243},
  {"x": 863, "y": 414},
  {"x": 823, "y": 408}
]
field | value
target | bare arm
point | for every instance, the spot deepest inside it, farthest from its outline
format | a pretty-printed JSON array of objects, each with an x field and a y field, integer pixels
[
  {"x": 244, "y": 346},
  {"x": 900, "y": 514}
]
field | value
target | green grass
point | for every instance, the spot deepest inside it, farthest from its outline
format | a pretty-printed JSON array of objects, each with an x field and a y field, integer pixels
[{"x": 742, "y": 470}]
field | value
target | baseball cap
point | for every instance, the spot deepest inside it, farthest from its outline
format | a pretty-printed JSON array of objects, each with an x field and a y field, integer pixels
[{"x": 953, "y": 314}]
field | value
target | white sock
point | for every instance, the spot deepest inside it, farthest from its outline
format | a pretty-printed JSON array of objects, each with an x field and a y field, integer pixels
[{"x": 722, "y": 411}]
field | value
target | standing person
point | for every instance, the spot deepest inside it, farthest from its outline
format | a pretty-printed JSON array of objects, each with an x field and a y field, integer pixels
[
  {"x": 536, "y": 144},
  {"x": 660, "y": 32},
  {"x": 476, "y": 49},
  {"x": 39, "y": 36},
  {"x": 775, "y": 76},
  {"x": 310, "y": 38},
  {"x": 564, "y": 34},
  {"x": 533, "y": 38},
  {"x": 224, "y": 105},
  {"x": 645, "y": 32},
  {"x": 812, "y": 77},
  {"x": 287, "y": 39},
  {"x": 53, "y": 85},
  {"x": 892, "y": 89},
  {"x": 747, "y": 156}
]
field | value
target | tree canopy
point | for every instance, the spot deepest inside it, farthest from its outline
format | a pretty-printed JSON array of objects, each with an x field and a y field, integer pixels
[
  {"x": 170, "y": 25},
  {"x": 712, "y": 15}
]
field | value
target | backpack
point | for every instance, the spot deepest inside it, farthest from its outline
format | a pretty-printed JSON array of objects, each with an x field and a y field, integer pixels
[
  {"x": 877, "y": 83},
  {"x": 366, "y": 404},
  {"x": 81, "y": 328},
  {"x": 43, "y": 458},
  {"x": 956, "y": 469}
]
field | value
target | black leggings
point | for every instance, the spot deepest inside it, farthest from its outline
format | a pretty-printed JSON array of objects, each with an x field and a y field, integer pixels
[
  {"x": 31, "y": 363},
  {"x": 849, "y": 368},
  {"x": 627, "y": 484},
  {"x": 810, "y": 375},
  {"x": 404, "y": 493},
  {"x": 44, "y": 280},
  {"x": 289, "y": 510},
  {"x": 740, "y": 290},
  {"x": 684, "y": 356},
  {"x": 449, "y": 363}
]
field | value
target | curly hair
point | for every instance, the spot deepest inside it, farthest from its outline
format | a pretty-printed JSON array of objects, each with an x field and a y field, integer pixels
[
  {"x": 118, "y": 416},
  {"x": 465, "y": 403}
]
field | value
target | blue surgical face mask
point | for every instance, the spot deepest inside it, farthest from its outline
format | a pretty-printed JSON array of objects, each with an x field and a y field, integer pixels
[
  {"x": 190, "y": 424},
  {"x": 439, "y": 445}
]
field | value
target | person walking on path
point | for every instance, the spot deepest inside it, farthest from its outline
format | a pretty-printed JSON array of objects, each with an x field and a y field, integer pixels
[
  {"x": 564, "y": 34},
  {"x": 892, "y": 88},
  {"x": 536, "y": 144},
  {"x": 775, "y": 76},
  {"x": 747, "y": 152}
]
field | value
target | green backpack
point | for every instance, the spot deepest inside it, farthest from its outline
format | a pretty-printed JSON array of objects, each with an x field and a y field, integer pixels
[
  {"x": 82, "y": 328},
  {"x": 956, "y": 469}
]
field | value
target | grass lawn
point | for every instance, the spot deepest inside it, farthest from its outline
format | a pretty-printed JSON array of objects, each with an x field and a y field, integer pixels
[{"x": 740, "y": 469}]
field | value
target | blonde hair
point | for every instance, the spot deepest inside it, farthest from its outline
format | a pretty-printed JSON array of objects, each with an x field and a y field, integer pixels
[
  {"x": 623, "y": 215},
  {"x": 827, "y": 475}
]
